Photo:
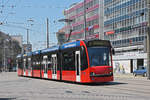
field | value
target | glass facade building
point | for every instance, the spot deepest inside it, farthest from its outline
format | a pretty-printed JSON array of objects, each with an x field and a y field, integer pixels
[{"x": 125, "y": 25}]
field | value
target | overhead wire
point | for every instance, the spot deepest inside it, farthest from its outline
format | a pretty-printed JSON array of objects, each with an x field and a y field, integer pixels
[
  {"x": 14, "y": 26},
  {"x": 12, "y": 7},
  {"x": 3, "y": 6},
  {"x": 6, "y": 24},
  {"x": 20, "y": 27}
]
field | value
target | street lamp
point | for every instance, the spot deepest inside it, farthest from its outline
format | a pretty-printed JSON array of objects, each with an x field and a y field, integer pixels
[
  {"x": 29, "y": 20},
  {"x": 69, "y": 22}
]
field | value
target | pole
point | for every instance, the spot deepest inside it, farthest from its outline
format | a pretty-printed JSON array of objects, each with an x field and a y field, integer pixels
[
  {"x": 47, "y": 33},
  {"x": 70, "y": 31},
  {"x": 84, "y": 19},
  {"x": 27, "y": 37},
  {"x": 4, "y": 57},
  {"x": 101, "y": 19},
  {"x": 27, "y": 40},
  {"x": 148, "y": 41}
]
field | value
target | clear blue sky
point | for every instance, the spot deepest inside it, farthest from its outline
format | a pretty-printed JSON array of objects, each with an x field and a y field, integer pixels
[{"x": 15, "y": 13}]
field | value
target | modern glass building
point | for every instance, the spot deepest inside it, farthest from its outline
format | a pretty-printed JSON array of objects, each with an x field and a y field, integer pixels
[{"x": 125, "y": 25}]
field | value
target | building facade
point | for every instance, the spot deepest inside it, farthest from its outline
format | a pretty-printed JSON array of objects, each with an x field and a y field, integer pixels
[
  {"x": 18, "y": 38},
  {"x": 125, "y": 25},
  {"x": 9, "y": 49},
  {"x": 78, "y": 12}
]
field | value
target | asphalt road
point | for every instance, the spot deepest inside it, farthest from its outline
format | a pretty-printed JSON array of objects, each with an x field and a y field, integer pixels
[{"x": 124, "y": 87}]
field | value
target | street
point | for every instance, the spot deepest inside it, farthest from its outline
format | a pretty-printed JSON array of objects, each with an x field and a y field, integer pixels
[{"x": 13, "y": 87}]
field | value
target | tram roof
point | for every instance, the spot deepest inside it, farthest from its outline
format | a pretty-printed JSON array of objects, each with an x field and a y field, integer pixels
[
  {"x": 36, "y": 52},
  {"x": 54, "y": 48},
  {"x": 70, "y": 44},
  {"x": 19, "y": 55},
  {"x": 90, "y": 42},
  {"x": 29, "y": 54}
]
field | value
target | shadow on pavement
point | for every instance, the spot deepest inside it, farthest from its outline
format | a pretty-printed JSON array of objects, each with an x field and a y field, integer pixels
[
  {"x": 89, "y": 84},
  {"x": 95, "y": 84},
  {"x": 7, "y": 98},
  {"x": 104, "y": 84}
]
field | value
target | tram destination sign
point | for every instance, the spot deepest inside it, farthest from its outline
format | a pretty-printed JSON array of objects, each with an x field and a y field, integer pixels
[{"x": 98, "y": 43}]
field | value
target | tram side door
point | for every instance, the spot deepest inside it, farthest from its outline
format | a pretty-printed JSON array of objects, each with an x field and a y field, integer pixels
[
  {"x": 29, "y": 66},
  {"x": 45, "y": 60},
  {"x": 77, "y": 65},
  {"x": 54, "y": 66},
  {"x": 24, "y": 67}
]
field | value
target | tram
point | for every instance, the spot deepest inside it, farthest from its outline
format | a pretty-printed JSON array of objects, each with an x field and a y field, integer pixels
[{"x": 83, "y": 61}]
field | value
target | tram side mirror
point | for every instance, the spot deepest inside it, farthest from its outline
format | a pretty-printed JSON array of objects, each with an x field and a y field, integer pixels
[{"x": 113, "y": 51}]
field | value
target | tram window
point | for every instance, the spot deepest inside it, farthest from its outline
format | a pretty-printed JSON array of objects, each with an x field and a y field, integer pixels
[
  {"x": 46, "y": 61},
  {"x": 34, "y": 64},
  {"x": 69, "y": 61},
  {"x": 20, "y": 64},
  {"x": 29, "y": 63},
  {"x": 38, "y": 65},
  {"x": 99, "y": 56},
  {"x": 42, "y": 64},
  {"x": 26, "y": 64},
  {"x": 49, "y": 62},
  {"x": 57, "y": 62}
]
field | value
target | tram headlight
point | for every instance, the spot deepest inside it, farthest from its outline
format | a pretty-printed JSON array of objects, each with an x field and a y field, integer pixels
[
  {"x": 111, "y": 73},
  {"x": 92, "y": 74}
]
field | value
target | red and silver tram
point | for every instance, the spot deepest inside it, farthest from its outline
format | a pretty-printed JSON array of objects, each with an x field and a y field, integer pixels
[{"x": 84, "y": 61}]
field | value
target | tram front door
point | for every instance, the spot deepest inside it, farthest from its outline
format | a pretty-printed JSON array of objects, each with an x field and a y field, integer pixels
[
  {"x": 77, "y": 65},
  {"x": 29, "y": 67},
  {"x": 45, "y": 60},
  {"x": 24, "y": 67},
  {"x": 54, "y": 66}
]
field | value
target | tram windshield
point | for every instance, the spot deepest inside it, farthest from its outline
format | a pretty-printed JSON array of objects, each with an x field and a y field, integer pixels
[{"x": 99, "y": 56}]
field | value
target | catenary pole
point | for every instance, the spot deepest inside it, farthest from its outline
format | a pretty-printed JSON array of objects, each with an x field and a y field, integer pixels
[
  {"x": 27, "y": 36},
  {"x": 27, "y": 40},
  {"x": 47, "y": 33},
  {"x": 148, "y": 41}
]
